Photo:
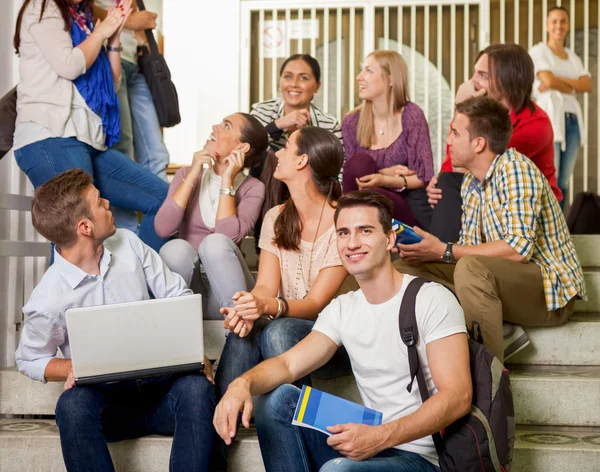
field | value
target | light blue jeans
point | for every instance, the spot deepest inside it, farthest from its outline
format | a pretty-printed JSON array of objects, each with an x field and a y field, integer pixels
[
  {"x": 224, "y": 270},
  {"x": 564, "y": 161}
]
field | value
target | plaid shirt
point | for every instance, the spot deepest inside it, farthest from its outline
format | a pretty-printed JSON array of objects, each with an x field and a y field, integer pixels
[{"x": 515, "y": 203}]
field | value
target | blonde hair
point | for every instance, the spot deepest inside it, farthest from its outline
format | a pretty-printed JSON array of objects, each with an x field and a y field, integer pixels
[{"x": 392, "y": 64}]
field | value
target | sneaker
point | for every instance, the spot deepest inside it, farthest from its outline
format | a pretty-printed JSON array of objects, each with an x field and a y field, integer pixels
[{"x": 515, "y": 340}]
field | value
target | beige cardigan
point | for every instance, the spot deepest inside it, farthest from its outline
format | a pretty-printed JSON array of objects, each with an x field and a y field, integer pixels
[{"x": 48, "y": 65}]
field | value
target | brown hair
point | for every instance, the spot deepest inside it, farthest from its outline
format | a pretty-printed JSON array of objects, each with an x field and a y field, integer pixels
[
  {"x": 59, "y": 204},
  {"x": 63, "y": 7},
  {"x": 310, "y": 61},
  {"x": 367, "y": 198},
  {"x": 325, "y": 159},
  {"x": 488, "y": 119},
  {"x": 392, "y": 64},
  {"x": 255, "y": 134},
  {"x": 511, "y": 74}
]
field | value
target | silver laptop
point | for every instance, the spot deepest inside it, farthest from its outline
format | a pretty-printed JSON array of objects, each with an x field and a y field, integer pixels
[{"x": 136, "y": 339}]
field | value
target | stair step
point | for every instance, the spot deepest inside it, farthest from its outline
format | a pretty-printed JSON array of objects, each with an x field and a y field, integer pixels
[
  {"x": 543, "y": 395},
  {"x": 574, "y": 343},
  {"x": 592, "y": 285},
  {"x": 586, "y": 246},
  {"x": 34, "y": 445}
]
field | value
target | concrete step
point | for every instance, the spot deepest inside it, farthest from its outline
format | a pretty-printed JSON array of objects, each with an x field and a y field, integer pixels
[
  {"x": 586, "y": 246},
  {"x": 592, "y": 285},
  {"x": 33, "y": 445},
  {"x": 543, "y": 395},
  {"x": 574, "y": 343}
]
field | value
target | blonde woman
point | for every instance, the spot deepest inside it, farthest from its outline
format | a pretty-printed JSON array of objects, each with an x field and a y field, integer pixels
[
  {"x": 386, "y": 139},
  {"x": 559, "y": 76}
]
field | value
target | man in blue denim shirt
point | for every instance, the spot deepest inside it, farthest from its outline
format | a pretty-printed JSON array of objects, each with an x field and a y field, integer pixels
[{"x": 96, "y": 264}]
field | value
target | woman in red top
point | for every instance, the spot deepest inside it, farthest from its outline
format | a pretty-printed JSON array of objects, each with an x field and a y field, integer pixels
[{"x": 504, "y": 72}]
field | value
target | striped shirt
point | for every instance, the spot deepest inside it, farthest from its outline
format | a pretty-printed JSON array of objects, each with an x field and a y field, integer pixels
[
  {"x": 129, "y": 270},
  {"x": 272, "y": 110},
  {"x": 515, "y": 203}
]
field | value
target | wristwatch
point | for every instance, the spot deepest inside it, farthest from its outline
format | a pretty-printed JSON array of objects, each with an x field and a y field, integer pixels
[
  {"x": 227, "y": 191},
  {"x": 448, "y": 257}
]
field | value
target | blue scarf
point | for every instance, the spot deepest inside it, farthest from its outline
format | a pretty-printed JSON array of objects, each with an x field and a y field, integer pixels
[{"x": 97, "y": 88}]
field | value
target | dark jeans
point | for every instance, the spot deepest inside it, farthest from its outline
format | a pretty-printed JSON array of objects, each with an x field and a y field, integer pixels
[
  {"x": 410, "y": 206},
  {"x": 270, "y": 339},
  {"x": 122, "y": 181},
  {"x": 447, "y": 214},
  {"x": 289, "y": 448},
  {"x": 178, "y": 406}
]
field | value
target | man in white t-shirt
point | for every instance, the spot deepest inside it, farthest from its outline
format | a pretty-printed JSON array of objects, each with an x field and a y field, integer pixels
[{"x": 366, "y": 323}]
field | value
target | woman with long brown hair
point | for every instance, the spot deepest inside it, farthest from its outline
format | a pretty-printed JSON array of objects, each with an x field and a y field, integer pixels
[
  {"x": 67, "y": 106},
  {"x": 387, "y": 139},
  {"x": 300, "y": 270}
]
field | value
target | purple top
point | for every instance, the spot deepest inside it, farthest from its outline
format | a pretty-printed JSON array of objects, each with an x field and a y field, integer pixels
[
  {"x": 171, "y": 218},
  {"x": 411, "y": 149}
]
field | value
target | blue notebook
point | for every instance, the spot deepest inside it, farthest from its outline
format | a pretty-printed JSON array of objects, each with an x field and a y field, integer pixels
[{"x": 317, "y": 410}]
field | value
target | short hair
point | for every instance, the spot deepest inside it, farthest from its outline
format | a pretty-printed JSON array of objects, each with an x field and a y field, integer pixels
[
  {"x": 367, "y": 198},
  {"x": 557, "y": 8},
  {"x": 59, "y": 204},
  {"x": 512, "y": 74},
  {"x": 488, "y": 119}
]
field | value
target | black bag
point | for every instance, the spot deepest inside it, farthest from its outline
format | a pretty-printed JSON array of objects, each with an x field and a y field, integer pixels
[
  {"x": 584, "y": 215},
  {"x": 483, "y": 440},
  {"x": 8, "y": 117},
  {"x": 158, "y": 77}
]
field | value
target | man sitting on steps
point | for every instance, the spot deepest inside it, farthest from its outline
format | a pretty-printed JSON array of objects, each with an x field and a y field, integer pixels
[
  {"x": 515, "y": 260},
  {"x": 96, "y": 264},
  {"x": 366, "y": 323}
]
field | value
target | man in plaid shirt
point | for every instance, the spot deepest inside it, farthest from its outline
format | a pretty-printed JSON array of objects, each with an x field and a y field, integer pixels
[{"x": 515, "y": 261}]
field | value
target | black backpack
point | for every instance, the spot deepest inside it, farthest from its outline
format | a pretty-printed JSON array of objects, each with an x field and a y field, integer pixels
[
  {"x": 158, "y": 77},
  {"x": 584, "y": 215},
  {"x": 483, "y": 440}
]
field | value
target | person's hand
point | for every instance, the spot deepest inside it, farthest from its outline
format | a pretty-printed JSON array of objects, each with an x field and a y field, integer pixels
[
  {"x": 467, "y": 90},
  {"x": 208, "y": 370},
  {"x": 201, "y": 158},
  {"x": 106, "y": 28},
  {"x": 371, "y": 180},
  {"x": 234, "y": 323},
  {"x": 430, "y": 249},
  {"x": 397, "y": 171},
  {"x": 248, "y": 306},
  {"x": 543, "y": 87},
  {"x": 70, "y": 382},
  {"x": 142, "y": 20},
  {"x": 357, "y": 441},
  {"x": 235, "y": 163},
  {"x": 434, "y": 194},
  {"x": 125, "y": 7},
  {"x": 236, "y": 399},
  {"x": 294, "y": 120}
]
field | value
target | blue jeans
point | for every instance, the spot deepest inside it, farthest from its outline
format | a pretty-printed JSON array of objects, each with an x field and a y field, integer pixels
[
  {"x": 120, "y": 180},
  {"x": 564, "y": 161},
  {"x": 270, "y": 339},
  {"x": 140, "y": 130},
  {"x": 288, "y": 448},
  {"x": 178, "y": 406}
]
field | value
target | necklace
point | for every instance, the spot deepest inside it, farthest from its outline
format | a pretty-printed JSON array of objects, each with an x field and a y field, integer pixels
[{"x": 306, "y": 281}]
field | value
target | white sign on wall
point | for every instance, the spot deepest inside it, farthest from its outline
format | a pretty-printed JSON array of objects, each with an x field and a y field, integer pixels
[{"x": 275, "y": 35}]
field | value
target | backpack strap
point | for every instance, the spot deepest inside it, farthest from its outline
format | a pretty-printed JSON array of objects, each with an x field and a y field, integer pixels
[{"x": 407, "y": 323}]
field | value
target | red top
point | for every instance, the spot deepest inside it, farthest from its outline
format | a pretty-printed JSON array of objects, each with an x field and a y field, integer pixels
[{"x": 532, "y": 136}]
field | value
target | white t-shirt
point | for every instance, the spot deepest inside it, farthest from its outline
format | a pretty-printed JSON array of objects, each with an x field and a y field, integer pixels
[
  {"x": 553, "y": 102},
  {"x": 379, "y": 358}
]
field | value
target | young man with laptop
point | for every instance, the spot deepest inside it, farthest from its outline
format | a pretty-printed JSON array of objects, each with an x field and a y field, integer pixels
[
  {"x": 366, "y": 323},
  {"x": 95, "y": 264}
]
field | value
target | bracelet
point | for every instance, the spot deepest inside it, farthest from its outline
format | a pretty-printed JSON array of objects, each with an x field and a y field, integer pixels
[
  {"x": 286, "y": 305},
  {"x": 280, "y": 308},
  {"x": 405, "y": 183},
  {"x": 114, "y": 48}
]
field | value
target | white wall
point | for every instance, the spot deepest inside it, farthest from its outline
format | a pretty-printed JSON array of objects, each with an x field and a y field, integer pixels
[{"x": 202, "y": 43}]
